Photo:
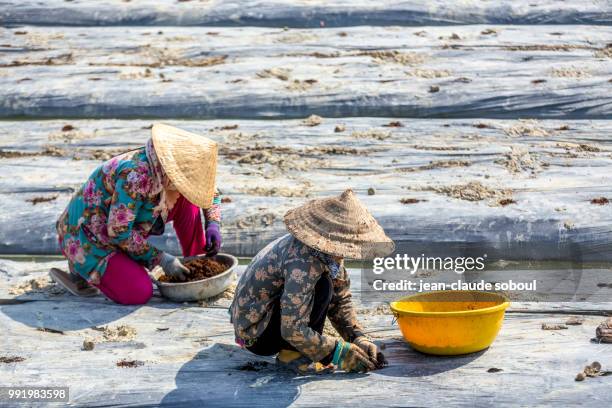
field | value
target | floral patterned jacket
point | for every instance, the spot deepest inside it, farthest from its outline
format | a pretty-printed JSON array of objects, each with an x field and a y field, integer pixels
[
  {"x": 288, "y": 270},
  {"x": 114, "y": 211}
]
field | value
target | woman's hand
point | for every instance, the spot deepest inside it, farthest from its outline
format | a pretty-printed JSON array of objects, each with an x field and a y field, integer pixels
[
  {"x": 366, "y": 345},
  {"x": 173, "y": 267},
  {"x": 377, "y": 357},
  {"x": 351, "y": 358},
  {"x": 356, "y": 360},
  {"x": 213, "y": 238}
]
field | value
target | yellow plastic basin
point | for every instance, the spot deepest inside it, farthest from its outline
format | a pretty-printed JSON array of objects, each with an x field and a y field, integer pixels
[{"x": 450, "y": 322}]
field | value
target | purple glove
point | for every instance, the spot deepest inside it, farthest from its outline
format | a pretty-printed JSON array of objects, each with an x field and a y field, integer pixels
[{"x": 213, "y": 238}]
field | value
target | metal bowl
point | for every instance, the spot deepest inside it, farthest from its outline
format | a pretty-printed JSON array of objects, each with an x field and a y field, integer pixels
[{"x": 201, "y": 289}]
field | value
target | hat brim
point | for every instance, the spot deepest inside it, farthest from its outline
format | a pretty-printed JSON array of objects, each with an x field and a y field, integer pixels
[
  {"x": 329, "y": 237},
  {"x": 189, "y": 160}
]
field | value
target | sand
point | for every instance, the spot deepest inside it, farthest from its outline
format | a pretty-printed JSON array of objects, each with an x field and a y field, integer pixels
[
  {"x": 119, "y": 333},
  {"x": 553, "y": 326},
  {"x": 520, "y": 160},
  {"x": 298, "y": 85},
  {"x": 397, "y": 57},
  {"x": 279, "y": 158},
  {"x": 570, "y": 72},
  {"x": 42, "y": 284},
  {"x": 279, "y": 73},
  {"x": 328, "y": 329},
  {"x": 253, "y": 221},
  {"x": 302, "y": 191},
  {"x": 312, "y": 120},
  {"x": 603, "y": 332},
  {"x": 527, "y": 127},
  {"x": 475, "y": 191},
  {"x": 224, "y": 297},
  {"x": 605, "y": 52},
  {"x": 378, "y": 310},
  {"x": 371, "y": 134},
  {"x": 429, "y": 73},
  {"x": 438, "y": 164}
]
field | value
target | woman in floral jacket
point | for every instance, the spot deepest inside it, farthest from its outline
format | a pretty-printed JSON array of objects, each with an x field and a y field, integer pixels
[
  {"x": 293, "y": 284},
  {"x": 103, "y": 232}
]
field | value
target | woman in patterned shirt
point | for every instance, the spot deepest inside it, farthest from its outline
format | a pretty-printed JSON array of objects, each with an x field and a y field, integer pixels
[
  {"x": 103, "y": 232},
  {"x": 294, "y": 283}
]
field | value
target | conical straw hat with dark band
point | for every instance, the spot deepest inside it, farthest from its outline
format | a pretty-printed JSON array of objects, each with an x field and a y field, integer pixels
[
  {"x": 189, "y": 161},
  {"x": 340, "y": 226}
]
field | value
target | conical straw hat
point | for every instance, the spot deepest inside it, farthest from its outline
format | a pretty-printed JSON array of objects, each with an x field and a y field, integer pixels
[
  {"x": 189, "y": 161},
  {"x": 340, "y": 226}
]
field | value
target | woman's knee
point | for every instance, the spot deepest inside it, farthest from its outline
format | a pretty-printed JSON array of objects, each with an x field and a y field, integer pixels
[
  {"x": 138, "y": 294},
  {"x": 128, "y": 293},
  {"x": 126, "y": 282}
]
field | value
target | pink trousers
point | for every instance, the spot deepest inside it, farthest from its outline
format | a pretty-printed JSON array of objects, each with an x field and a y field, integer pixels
[{"x": 127, "y": 282}]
